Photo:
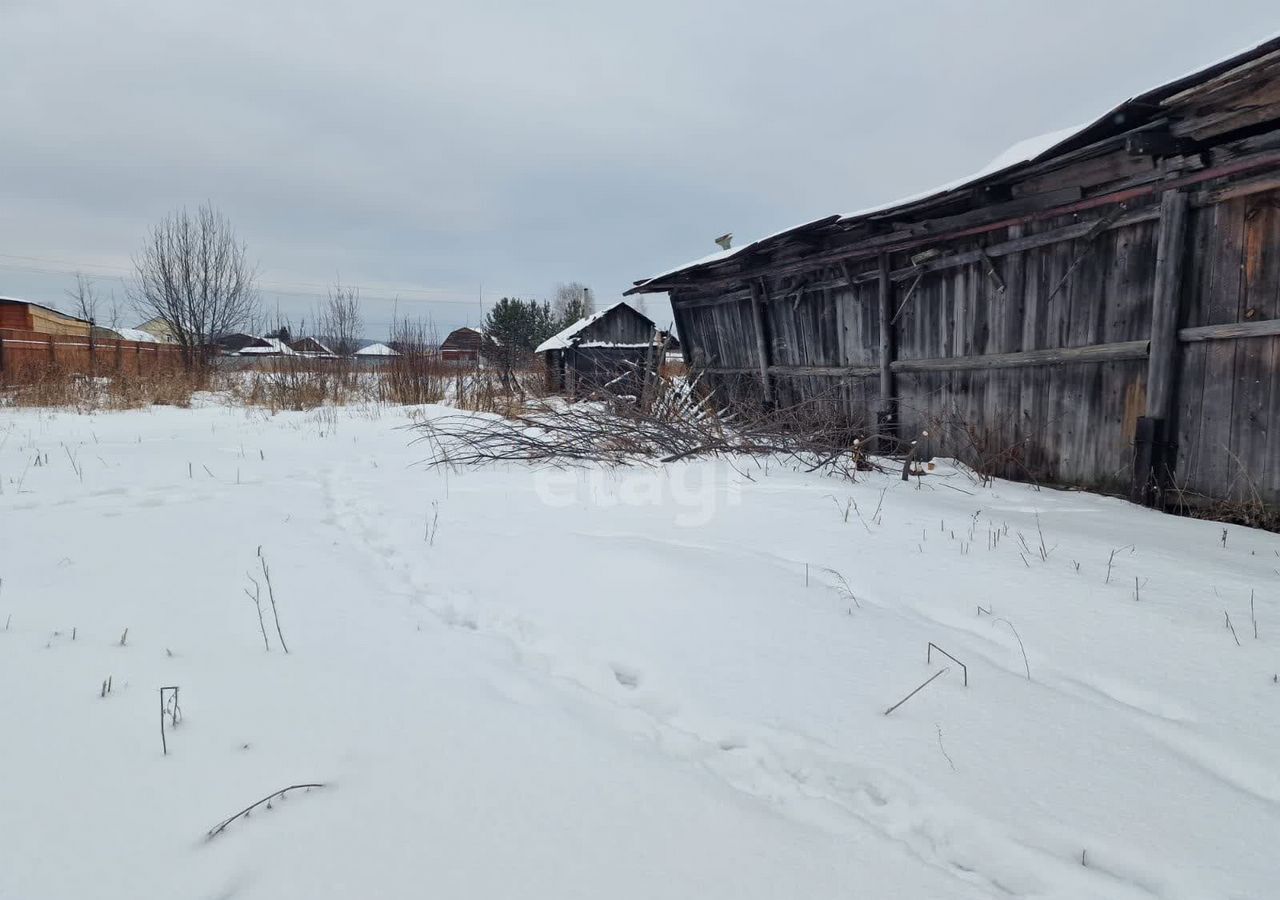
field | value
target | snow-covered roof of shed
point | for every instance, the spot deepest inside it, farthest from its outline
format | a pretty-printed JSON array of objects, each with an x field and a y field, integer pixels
[
  {"x": 1020, "y": 154},
  {"x": 273, "y": 345},
  {"x": 563, "y": 339},
  {"x": 302, "y": 342},
  {"x": 137, "y": 335},
  {"x": 376, "y": 349}
]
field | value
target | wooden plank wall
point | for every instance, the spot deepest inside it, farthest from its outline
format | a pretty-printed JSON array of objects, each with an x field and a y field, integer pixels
[
  {"x": 1068, "y": 423},
  {"x": 1228, "y": 402}
]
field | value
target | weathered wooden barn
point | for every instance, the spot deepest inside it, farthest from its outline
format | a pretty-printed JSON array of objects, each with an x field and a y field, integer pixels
[
  {"x": 465, "y": 346},
  {"x": 1099, "y": 307},
  {"x": 610, "y": 349}
]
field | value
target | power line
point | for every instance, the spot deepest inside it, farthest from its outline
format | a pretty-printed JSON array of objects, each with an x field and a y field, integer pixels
[{"x": 302, "y": 289}]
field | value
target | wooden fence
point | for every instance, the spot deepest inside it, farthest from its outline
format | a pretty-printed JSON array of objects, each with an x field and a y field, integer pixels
[{"x": 27, "y": 356}]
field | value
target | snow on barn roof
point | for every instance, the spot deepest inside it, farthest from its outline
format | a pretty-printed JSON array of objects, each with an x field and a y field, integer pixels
[
  {"x": 274, "y": 346},
  {"x": 376, "y": 349},
  {"x": 137, "y": 334},
  {"x": 1020, "y": 154},
  {"x": 311, "y": 346},
  {"x": 563, "y": 339}
]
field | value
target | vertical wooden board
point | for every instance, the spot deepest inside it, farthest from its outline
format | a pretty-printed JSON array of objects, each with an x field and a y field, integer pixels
[
  {"x": 777, "y": 327},
  {"x": 857, "y": 326},
  {"x": 733, "y": 329},
  {"x": 955, "y": 288},
  {"x": 1012, "y": 308},
  {"x": 1197, "y": 286},
  {"x": 913, "y": 325},
  {"x": 1105, "y": 383},
  {"x": 809, "y": 311},
  {"x": 1129, "y": 283},
  {"x": 796, "y": 310},
  {"x": 838, "y": 306},
  {"x": 1013, "y": 304},
  {"x": 851, "y": 327},
  {"x": 1037, "y": 409},
  {"x": 820, "y": 315},
  {"x": 680, "y": 317},
  {"x": 870, "y": 324},
  {"x": 973, "y": 331},
  {"x": 931, "y": 304},
  {"x": 958, "y": 332},
  {"x": 1223, "y": 305},
  {"x": 1089, "y": 294},
  {"x": 1270, "y": 454},
  {"x": 1033, "y": 276},
  {"x": 869, "y": 318},
  {"x": 1089, "y": 421},
  {"x": 1054, "y": 430},
  {"x": 907, "y": 327},
  {"x": 1134, "y": 405},
  {"x": 830, "y": 327},
  {"x": 1030, "y": 405},
  {"x": 710, "y": 335},
  {"x": 1058, "y": 306},
  {"x": 1254, "y": 423}
]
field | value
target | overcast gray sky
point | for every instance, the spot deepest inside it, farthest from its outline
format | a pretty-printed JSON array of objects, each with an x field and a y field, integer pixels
[{"x": 430, "y": 151}]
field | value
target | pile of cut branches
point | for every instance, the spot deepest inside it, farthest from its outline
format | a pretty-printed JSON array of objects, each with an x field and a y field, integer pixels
[{"x": 676, "y": 423}]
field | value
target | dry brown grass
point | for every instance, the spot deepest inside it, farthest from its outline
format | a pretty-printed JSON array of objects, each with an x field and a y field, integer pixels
[
  {"x": 287, "y": 384},
  {"x": 488, "y": 391},
  {"x": 53, "y": 386}
]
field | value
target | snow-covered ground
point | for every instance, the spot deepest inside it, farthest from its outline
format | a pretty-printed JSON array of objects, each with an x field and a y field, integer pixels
[{"x": 630, "y": 684}]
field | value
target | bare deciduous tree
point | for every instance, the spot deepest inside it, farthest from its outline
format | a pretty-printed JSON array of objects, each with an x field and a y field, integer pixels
[
  {"x": 193, "y": 275},
  {"x": 113, "y": 311},
  {"x": 572, "y": 302},
  {"x": 84, "y": 297},
  {"x": 341, "y": 321}
]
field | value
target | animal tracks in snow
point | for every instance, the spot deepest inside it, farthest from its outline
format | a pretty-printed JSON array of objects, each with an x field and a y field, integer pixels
[{"x": 797, "y": 775}]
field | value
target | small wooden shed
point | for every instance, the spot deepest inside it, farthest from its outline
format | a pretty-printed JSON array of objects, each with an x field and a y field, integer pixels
[
  {"x": 609, "y": 349},
  {"x": 23, "y": 315}
]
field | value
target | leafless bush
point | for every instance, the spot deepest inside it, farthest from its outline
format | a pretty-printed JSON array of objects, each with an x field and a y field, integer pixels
[
  {"x": 1242, "y": 502},
  {"x": 417, "y": 374},
  {"x": 504, "y": 393},
  {"x": 295, "y": 383},
  {"x": 984, "y": 450},
  {"x": 341, "y": 319}
]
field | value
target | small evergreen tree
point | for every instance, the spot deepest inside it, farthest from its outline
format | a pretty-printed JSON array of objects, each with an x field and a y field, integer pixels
[{"x": 518, "y": 326}]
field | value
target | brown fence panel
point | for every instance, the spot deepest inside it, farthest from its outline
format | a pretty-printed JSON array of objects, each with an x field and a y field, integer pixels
[{"x": 27, "y": 356}]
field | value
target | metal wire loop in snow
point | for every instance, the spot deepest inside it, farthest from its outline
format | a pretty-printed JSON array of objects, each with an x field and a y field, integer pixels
[{"x": 928, "y": 658}]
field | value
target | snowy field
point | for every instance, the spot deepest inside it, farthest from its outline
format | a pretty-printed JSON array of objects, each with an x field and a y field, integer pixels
[{"x": 638, "y": 684}]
